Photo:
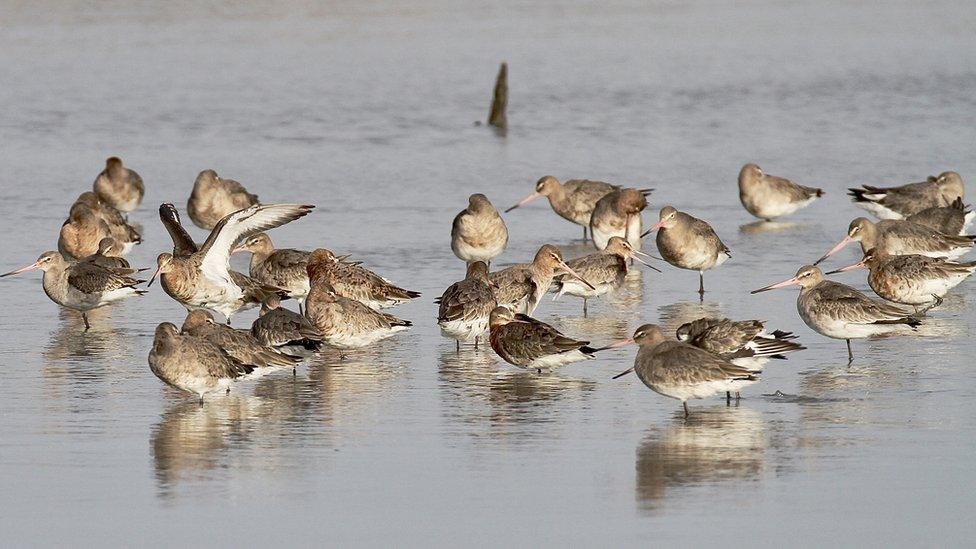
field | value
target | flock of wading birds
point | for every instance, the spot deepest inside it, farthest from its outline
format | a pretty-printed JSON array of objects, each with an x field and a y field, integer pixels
[{"x": 909, "y": 254}]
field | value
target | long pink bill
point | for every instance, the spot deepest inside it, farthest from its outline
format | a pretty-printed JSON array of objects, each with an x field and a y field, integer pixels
[
  {"x": 30, "y": 267},
  {"x": 776, "y": 286},
  {"x": 572, "y": 273},
  {"x": 617, "y": 345},
  {"x": 524, "y": 201},
  {"x": 646, "y": 264},
  {"x": 639, "y": 254},
  {"x": 840, "y": 246},
  {"x": 655, "y": 227},
  {"x": 153, "y": 279},
  {"x": 623, "y": 373},
  {"x": 858, "y": 265}
]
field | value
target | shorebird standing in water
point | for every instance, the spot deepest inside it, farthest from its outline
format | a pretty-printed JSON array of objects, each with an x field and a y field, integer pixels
[
  {"x": 901, "y": 238},
  {"x": 255, "y": 293},
  {"x": 915, "y": 280},
  {"x": 901, "y": 202},
  {"x": 769, "y": 197},
  {"x": 521, "y": 287},
  {"x": 743, "y": 343},
  {"x": 953, "y": 219},
  {"x": 119, "y": 186},
  {"x": 523, "y": 341},
  {"x": 838, "y": 311},
  {"x": 81, "y": 286},
  {"x": 573, "y": 200},
  {"x": 344, "y": 323},
  {"x": 604, "y": 271},
  {"x": 213, "y": 198},
  {"x": 689, "y": 243},
  {"x": 478, "y": 232},
  {"x": 202, "y": 280},
  {"x": 681, "y": 371},
  {"x": 464, "y": 306},
  {"x": 193, "y": 364},
  {"x": 618, "y": 213}
]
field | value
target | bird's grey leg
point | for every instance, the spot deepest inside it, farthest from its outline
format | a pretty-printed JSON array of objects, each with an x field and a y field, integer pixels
[
  {"x": 701, "y": 285},
  {"x": 201, "y": 400},
  {"x": 584, "y": 307},
  {"x": 936, "y": 303},
  {"x": 457, "y": 346},
  {"x": 728, "y": 398},
  {"x": 476, "y": 341},
  {"x": 300, "y": 310},
  {"x": 685, "y": 404},
  {"x": 850, "y": 354},
  {"x": 84, "y": 316},
  {"x": 737, "y": 397},
  {"x": 227, "y": 392},
  {"x": 584, "y": 233}
]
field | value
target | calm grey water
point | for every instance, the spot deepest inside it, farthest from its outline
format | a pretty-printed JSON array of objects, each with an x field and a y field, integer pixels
[{"x": 367, "y": 111}]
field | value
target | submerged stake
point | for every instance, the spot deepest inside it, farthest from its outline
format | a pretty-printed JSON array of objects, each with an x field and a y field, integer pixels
[{"x": 497, "y": 116}]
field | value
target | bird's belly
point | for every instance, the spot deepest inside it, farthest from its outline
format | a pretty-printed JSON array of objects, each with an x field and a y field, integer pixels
[
  {"x": 688, "y": 391},
  {"x": 464, "y": 330},
  {"x": 879, "y": 211},
  {"x": 578, "y": 289},
  {"x": 551, "y": 362},
  {"x": 351, "y": 338}
]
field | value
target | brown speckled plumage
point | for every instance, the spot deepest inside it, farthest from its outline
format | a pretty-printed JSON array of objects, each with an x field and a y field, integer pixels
[
  {"x": 355, "y": 282},
  {"x": 280, "y": 327},
  {"x": 239, "y": 344},
  {"x": 950, "y": 219},
  {"x": 618, "y": 213},
  {"x": 280, "y": 267},
  {"x": 464, "y": 307},
  {"x": 342, "y": 321},
  {"x": 526, "y": 342},
  {"x": 520, "y": 287}
]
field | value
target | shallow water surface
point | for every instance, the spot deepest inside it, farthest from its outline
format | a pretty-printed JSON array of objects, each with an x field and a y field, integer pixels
[{"x": 367, "y": 111}]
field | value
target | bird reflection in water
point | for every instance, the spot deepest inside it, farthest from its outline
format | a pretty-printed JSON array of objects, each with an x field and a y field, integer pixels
[
  {"x": 629, "y": 296},
  {"x": 69, "y": 342},
  {"x": 714, "y": 445},
  {"x": 479, "y": 390},
  {"x": 78, "y": 363},
  {"x": 355, "y": 385},
  {"x": 760, "y": 227},
  {"x": 192, "y": 444},
  {"x": 675, "y": 314}
]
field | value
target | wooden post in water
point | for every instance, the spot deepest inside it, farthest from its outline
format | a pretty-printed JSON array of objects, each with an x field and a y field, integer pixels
[{"x": 497, "y": 116}]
